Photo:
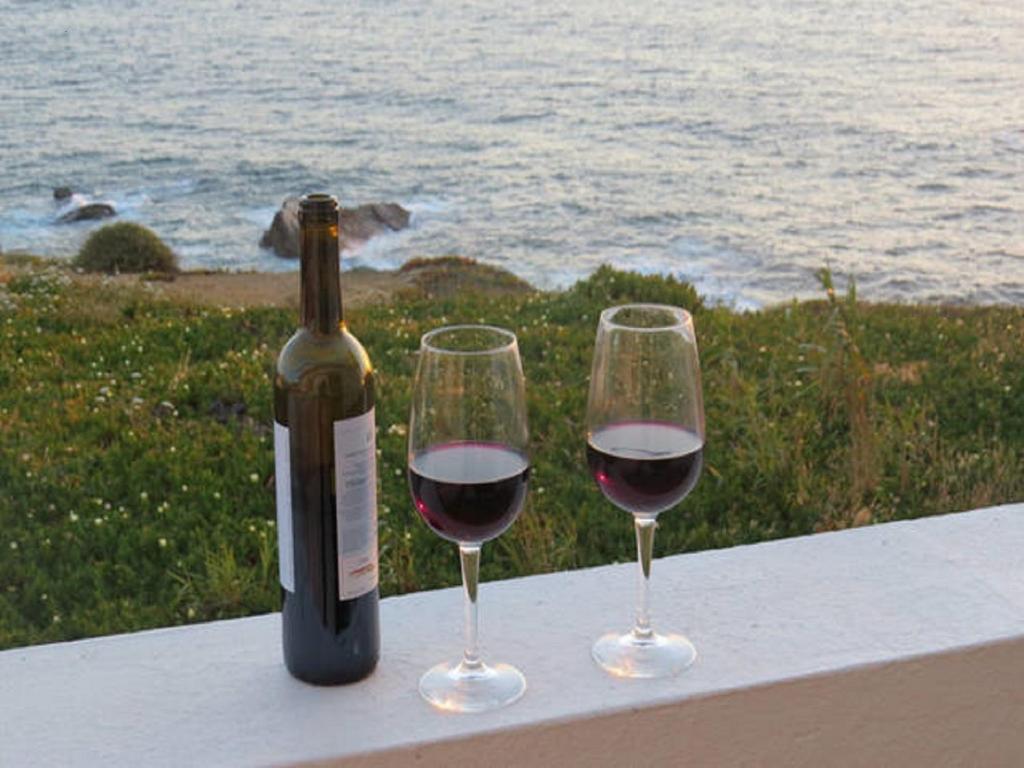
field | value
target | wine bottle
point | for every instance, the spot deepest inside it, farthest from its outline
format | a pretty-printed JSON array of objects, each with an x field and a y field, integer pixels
[{"x": 325, "y": 468}]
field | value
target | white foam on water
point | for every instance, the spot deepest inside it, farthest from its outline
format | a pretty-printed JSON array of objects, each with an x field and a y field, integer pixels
[
  {"x": 427, "y": 208},
  {"x": 718, "y": 273},
  {"x": 262, "y": 215},
  {"x": 383, "y": 251},
  {"x": 557, "y": 279}
]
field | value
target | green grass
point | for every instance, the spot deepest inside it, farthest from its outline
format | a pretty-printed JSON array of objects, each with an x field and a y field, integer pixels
[{"x": 136, "y": 462}]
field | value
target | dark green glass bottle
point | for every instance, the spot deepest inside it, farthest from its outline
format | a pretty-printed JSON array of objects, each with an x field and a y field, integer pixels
[{"x": 325, "y": 456}]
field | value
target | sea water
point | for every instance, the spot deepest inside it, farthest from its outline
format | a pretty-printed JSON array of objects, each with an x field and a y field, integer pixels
[{"x": 739, "y": 145}]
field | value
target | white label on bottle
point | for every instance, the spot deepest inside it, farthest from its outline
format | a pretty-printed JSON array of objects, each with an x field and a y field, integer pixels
[
  {"x": 355, "y": 473},
  {"x": 283, "y": 488}
]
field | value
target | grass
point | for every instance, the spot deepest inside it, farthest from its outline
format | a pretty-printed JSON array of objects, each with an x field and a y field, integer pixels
[{"x": 136, "y": 461}]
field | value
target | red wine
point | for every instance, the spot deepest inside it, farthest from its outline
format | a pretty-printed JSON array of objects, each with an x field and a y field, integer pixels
[
  {"x": 469, "y": 492},
  {"x": 325, "y": 458},
  {"x": 645, "y": 467}
]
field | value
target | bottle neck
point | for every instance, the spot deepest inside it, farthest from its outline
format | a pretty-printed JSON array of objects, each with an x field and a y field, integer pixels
[{"x": 320, "y": 290}]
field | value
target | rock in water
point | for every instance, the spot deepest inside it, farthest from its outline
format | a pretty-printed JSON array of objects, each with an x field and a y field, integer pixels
[
  {"x": 357, "y": 225},
  {"x": 61, "y": 193},
  {"x": 87, "y": 212},
  {"x": 360, "y": 224},
  {"x": 283, "y": 235}
]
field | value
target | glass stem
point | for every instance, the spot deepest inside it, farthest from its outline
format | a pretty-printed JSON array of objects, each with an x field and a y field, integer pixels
[
  {"x": 469, "y": 555},
  {"x": 644, "y": 547}
]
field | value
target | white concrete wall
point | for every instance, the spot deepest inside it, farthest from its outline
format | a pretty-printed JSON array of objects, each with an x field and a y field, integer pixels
[{"x": 899, "y": 644}]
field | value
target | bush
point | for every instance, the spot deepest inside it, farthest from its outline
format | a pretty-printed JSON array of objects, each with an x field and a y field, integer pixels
[{"x": 126, "y": 247}]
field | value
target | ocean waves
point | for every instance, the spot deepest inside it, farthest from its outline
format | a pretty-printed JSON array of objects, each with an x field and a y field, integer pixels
[{"x": 741, "y": 151}]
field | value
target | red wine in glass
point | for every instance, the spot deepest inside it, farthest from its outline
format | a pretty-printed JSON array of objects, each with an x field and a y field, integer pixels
[
  {"x": 468, "y": 476},
  {"x": 645, "y": 449},
  {"x": 645, "y": 467},
  {"x": 468, "y": 491}
]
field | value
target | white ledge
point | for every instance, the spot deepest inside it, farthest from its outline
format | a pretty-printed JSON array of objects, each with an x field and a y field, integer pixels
[{"x": 894, "y": 644}]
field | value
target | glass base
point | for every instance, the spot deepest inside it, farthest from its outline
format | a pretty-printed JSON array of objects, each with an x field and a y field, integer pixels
[
  {"x": 464, "y": 688},
  {"x": 633, "y": 655}
]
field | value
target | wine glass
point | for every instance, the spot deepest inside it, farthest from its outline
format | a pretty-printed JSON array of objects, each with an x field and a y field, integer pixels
[
  {"x": 645, "y": 442},
  {"x": 468, "y": 473}
]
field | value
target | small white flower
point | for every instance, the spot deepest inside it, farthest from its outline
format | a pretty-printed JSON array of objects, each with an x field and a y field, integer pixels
[
  {"x": 254, "y": 478},
  {"x": 162, "y": 542},
  {"x": 144, "y": 496}
]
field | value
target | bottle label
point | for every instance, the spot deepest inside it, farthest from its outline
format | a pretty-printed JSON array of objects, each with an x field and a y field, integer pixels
[
  {"x": 355, "y": 473},
  {"x": 283, "y": 488}
]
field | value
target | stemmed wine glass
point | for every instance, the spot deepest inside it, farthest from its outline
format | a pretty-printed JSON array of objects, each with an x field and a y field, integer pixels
[
  {"x": 468, "y": 473},
  {"x": 645, "y": 441}
]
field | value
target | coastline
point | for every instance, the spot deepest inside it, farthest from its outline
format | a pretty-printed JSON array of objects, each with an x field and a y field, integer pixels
[{"x": 440, "y": 277}]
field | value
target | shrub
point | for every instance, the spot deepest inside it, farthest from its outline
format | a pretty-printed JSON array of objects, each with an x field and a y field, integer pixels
[{"x": 126, "y": 247}]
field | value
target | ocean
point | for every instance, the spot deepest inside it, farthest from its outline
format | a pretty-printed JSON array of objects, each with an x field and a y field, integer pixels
[{"x": 739, "y": 145}]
